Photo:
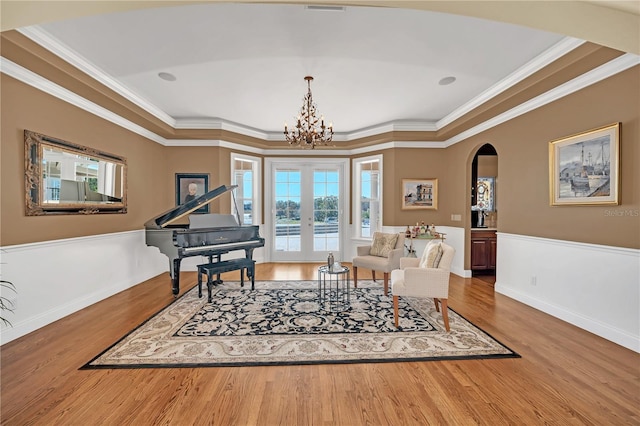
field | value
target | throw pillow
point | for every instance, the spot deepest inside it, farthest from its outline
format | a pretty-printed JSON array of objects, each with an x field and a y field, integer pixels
[
  {"x": 431, "y": 256},
  {"x": 383, "y": 244}
]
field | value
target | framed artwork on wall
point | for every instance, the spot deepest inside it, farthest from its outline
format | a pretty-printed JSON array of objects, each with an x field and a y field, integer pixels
[
  {"x": 419, "y": 194},
  {"x": 584, "y": 168},
  {"x": 190, "y": 186}
]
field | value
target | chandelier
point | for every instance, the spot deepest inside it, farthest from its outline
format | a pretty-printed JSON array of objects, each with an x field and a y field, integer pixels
[{"x": 309, "y": 131}]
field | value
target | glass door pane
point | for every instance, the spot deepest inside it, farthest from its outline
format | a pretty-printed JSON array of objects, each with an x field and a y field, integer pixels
[
  {"x": 306, "y": 208},
  {"x": 288, "y": 188},
  {"x": 326, "y": 199}
]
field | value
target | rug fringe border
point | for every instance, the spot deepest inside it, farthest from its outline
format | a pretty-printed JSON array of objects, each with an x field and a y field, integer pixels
[{"x": 88, "y": 366}]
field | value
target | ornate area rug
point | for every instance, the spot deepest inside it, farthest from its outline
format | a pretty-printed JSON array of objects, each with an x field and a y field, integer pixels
[{"x": 283, "y": 322}]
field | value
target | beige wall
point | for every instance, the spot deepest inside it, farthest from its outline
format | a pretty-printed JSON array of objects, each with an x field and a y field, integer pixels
[
  {"x": 214, "y": 161},
  {"x": 523, "y": 163},
  {"x": 522, "y": 146},
  {"x": 24, "y": 107}
]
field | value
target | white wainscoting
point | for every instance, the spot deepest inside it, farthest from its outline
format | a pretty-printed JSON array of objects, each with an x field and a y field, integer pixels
[
  {"x": 594, "y": 287},
  {"x": 57, "y": 278},
  {"x": 454, "y": 237}
]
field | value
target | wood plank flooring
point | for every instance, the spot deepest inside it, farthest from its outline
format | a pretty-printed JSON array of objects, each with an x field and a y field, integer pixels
[{"x": 565, "y": 376}]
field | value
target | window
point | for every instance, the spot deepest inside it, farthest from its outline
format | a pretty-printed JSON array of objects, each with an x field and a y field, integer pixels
[
  {"x": 245, "y": 172},
  {"x": 367, "y": 195}
]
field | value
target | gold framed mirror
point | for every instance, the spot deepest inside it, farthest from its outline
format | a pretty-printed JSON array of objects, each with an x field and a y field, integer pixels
[{"x": 65, "y": 178}]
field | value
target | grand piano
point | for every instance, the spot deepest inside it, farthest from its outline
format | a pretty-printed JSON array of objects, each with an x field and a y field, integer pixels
[{"x": 209, "y": 235}]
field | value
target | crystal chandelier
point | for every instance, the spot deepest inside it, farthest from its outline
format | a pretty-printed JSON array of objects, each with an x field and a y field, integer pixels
[{"x": 309, "y": 131}]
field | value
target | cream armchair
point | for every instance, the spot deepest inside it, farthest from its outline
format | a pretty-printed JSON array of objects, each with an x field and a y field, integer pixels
[
  {"x": 382, "y": 255},
  {"x": 424, "y": 278}
]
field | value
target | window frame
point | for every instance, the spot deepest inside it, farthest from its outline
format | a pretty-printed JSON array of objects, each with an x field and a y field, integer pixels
[
  {"x": 256, "y": 199},
  {"x": 357, "y": 167}
]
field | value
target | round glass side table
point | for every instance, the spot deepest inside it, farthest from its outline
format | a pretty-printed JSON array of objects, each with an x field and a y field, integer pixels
[{"x": 333, "y": 287}]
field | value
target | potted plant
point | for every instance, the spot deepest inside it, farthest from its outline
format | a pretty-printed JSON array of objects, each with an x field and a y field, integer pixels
[{"x": 6, "y": 305}]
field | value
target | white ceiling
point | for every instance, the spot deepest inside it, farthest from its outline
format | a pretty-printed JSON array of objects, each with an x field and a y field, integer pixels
[{"x": 245, "y": 63}]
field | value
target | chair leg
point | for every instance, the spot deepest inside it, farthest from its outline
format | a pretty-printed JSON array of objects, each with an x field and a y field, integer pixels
[
  {"x": 395, "y": 310},
  {"x": 373, "y": 274},
  {"x": 445, "y": 313},
  {"x": 386, "y": 283},
  {"x": 355, "y": 277},
  {"x": 435, "y": 300}
]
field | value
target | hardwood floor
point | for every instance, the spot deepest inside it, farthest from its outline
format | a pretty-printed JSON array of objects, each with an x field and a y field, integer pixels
[{"x": 565, "y": 376}]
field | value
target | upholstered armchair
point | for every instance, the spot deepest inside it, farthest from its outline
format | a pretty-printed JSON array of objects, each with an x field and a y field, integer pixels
[
  {"x": 383, "y": 255},
  {"x": 427, "y": 277}
]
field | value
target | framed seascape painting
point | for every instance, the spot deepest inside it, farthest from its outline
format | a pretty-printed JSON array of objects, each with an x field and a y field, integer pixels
[
  {"x": 190, "y": 186},
  {"x": 584, "y": 168},
  {"x": 419, "y": 194}
]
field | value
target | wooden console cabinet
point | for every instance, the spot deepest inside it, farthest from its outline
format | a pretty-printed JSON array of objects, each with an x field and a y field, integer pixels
[{"x": 483, "y": 250}]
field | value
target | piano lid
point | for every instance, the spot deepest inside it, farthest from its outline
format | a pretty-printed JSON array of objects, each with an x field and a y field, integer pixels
[{"x": 182, "y": 210}]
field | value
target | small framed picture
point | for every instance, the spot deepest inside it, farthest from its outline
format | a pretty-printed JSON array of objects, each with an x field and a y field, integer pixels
[
  {"x": 190, "y": 186},
  {"x": 584, "y": 168},
  {"x": 419, "y": 194}
]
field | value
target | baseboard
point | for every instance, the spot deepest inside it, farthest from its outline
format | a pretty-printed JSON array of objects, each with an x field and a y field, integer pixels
[
  {"x": 36, "y": 322},
  {"x": 603, "y": 330}
]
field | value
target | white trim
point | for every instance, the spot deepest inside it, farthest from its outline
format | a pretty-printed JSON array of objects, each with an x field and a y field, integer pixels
[
  {"x": 574, "y": 244},
  {"x": 591, "y": 286},
  {"x": 356, "y": 168},
  {"x": 257, "y": 183},
  {"x": 609, "y": 69},
  {"x": 46, "y": 40},
  {"x": 220, "y": 124},
  {"x": 455, "y": 237},
  {"x": 395, "y": 126},
  {"x": 74, "y": 273},
  {"x": 270, "y": 163},
  {"x": 57, "y": 243},
  {"x": 600, "y": 73},
  {"x": 34, "y": 80},
  {"x": 556, "y": 51}
]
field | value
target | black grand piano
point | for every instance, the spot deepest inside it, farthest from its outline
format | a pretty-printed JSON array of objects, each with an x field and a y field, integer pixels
[{"x": 209, "y": 235}]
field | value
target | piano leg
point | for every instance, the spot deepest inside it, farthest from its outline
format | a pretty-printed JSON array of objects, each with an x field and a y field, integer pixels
[
  {"x": 175, "y": 276},
  {"x": 248, "y": 253}
]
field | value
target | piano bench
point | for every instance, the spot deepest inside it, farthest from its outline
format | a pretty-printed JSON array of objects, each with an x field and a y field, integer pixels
[{"x": 216, "y": 268}]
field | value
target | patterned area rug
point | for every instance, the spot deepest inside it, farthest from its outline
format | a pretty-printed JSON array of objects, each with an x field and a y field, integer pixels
[{"x": 283, "y": 322}]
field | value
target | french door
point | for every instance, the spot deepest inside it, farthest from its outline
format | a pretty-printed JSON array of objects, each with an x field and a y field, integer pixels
[{"x": 305, "y": 211}]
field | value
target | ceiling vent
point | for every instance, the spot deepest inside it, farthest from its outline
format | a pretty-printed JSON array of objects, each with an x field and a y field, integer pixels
[{"x": 320, "y": 8}]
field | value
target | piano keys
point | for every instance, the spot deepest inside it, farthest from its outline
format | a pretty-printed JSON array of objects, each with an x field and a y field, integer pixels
[{"x": 209, "y": 235}]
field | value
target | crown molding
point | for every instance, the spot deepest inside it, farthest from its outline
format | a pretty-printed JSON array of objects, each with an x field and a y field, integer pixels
[
  {"x": 38, "y": 82},
  {"x": 600, "y": 73},
  {"x": 394, "y": 126},
  {"x": 47, "y": 41},
  {"x": 555, "y": 52},
  {"x": 220, "y": 124}
]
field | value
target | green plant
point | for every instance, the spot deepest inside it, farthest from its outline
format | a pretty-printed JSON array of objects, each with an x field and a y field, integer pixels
[{"x": 6, "y": 304}]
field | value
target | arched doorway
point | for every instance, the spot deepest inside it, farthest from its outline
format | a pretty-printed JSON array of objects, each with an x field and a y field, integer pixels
[{"x": 484, "y": 214}]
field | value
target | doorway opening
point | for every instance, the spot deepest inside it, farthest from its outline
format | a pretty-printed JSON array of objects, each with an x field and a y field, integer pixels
[
  {"x": 484, "y": 213},
  {"x": 305, "y": 208}
]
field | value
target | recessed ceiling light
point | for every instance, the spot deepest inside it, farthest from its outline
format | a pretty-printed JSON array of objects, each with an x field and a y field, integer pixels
[
  {"x": 447, "y": 80},
  {"x": 167, "y": 76}
]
